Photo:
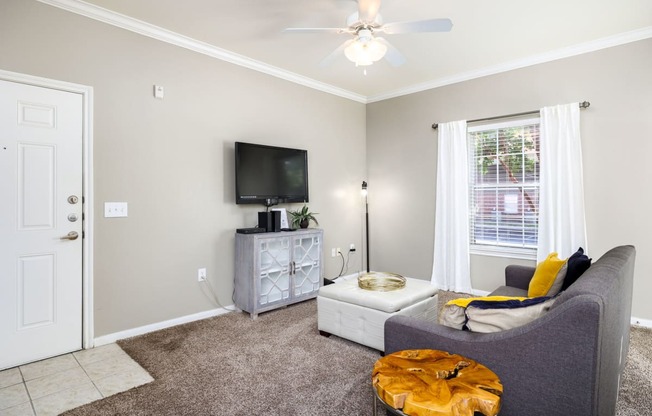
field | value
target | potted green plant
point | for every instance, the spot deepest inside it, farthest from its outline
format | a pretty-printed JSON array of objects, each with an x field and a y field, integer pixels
[{"x": 302, "y": 217}]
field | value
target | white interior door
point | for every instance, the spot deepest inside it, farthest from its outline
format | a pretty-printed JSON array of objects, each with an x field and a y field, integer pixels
[{"x": 40, "y": 223}]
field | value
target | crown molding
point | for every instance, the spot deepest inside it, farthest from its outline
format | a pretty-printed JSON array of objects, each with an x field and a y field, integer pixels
[
  {"x": 143, "y": 28},
  {"x": 146, "y": 29},
  {"x": 602, "y": 43}
]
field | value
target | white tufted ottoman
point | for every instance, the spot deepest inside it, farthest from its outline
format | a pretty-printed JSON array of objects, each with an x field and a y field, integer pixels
[{"x": 345, "y": 310}]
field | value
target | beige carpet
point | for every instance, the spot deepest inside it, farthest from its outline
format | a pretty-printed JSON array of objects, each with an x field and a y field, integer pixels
[
  {"x": 635, "y": 396},
  {"x": 278, "y": 364}
]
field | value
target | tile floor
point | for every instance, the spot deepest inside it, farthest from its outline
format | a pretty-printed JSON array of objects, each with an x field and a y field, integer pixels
[{"x": 55, "y": 385}]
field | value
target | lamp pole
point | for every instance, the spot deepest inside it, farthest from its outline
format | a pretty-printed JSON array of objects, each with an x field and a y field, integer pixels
[{"x": 366, "y": 207}]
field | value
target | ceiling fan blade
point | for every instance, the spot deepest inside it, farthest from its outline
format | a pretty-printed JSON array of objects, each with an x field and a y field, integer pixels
[
  {"x": 335, "y": 30},
  {"x": 368, "y": 10},
  {"x": 393, "y": 56},
  {"x": 335, "y": 54},
  {"x": 430, "y": 25}
]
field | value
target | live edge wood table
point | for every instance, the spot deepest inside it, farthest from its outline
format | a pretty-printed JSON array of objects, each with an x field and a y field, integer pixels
[{"x": 435, "y": 383}]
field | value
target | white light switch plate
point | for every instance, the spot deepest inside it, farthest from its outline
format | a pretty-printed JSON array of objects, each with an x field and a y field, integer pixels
[
  {"x": 115, "y": 209},
  {"x": 159, "y": 91}
]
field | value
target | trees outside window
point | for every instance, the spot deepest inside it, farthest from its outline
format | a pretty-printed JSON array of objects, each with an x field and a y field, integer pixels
[{"x": 504, "y": 184}]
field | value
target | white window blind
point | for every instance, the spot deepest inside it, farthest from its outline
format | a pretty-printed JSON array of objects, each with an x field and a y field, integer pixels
[{"x": 504, "y": 186}]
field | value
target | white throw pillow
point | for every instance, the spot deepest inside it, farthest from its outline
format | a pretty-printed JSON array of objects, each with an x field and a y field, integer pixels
[
  {"x": 453, "y": 316},
  {"x": 487, "y": 319}
]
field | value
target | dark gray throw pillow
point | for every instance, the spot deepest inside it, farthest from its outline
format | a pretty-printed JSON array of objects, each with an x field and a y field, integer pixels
[{"x": 577, "y": 264}]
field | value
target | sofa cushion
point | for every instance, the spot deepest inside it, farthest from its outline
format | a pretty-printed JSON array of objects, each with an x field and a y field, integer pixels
[
  {"x": 509, "y": 291},
  {"x": 578, "y": 263},
  {"x": 548, "y": 277}
]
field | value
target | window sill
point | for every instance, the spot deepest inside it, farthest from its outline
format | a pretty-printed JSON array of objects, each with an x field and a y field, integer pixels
[{"x": 507, "y": 252}]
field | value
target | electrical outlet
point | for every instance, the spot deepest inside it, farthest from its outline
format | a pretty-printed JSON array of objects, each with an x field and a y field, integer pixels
[
  {"x": 339, "y": 251},
  {"x": 201, "y": 274},
  {"x": 333, "y": 252},
  {"x": 352, "y": 247}
]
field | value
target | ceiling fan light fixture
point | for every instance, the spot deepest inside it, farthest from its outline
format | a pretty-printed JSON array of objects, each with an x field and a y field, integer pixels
[{"x": 365, "y": 51}]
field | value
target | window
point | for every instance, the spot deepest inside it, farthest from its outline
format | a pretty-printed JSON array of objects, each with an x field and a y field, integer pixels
[{"x": 504, "y": 188}]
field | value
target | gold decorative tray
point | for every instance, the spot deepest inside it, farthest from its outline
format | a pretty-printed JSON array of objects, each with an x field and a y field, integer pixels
[{"x": 381, "y": 281}]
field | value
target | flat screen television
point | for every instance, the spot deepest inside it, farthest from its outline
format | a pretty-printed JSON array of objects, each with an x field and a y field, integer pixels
[{"x": 270, "y": 175}]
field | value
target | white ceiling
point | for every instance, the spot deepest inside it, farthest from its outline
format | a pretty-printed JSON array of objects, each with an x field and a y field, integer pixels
[{"x": 487, "y": 36}]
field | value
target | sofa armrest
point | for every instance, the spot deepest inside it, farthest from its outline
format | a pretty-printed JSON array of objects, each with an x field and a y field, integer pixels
[{"x": 518, "y": 276}]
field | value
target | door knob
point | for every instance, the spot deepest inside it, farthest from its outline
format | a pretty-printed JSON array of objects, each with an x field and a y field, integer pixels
[{"x": 70, "y": 236}]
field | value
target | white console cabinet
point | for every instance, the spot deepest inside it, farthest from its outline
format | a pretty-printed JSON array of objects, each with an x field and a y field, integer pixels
[{"x": 277, "y": 269}]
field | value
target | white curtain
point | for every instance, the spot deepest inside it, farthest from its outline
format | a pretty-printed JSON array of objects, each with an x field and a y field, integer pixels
[
  {"x": 562, "y": 225},
  {"x": 451, "y": 269}
]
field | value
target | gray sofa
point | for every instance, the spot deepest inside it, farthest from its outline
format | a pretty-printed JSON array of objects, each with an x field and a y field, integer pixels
[{"x": 567, "y": 362}]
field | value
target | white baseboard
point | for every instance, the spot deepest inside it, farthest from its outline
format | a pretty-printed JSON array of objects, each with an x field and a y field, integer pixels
[
  {"x": 111, "y": 338},
  {"x": 642, "y": 322}
]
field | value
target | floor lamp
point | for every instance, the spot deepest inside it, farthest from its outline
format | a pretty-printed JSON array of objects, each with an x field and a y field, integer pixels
[{"x": 366, "y": 208}]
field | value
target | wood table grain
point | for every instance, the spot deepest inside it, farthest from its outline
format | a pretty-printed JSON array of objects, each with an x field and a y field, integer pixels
[{"x": 436, "y": 383}]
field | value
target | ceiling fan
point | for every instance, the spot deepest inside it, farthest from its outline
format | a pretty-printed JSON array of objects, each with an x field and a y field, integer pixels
[{"x": 365, "y": 47}]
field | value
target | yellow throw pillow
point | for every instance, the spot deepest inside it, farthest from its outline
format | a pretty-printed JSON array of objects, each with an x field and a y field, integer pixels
[
  {"x": 548, "y": 277},
  {"x": 464, "y": 302}
]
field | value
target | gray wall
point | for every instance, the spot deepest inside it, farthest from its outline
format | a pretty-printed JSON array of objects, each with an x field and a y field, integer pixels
[
  {"x": 402, "y": 154},
  {"x": 172, "y": 159}
]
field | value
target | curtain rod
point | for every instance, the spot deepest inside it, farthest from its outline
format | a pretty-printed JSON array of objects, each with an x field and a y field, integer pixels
[{"x": 583, "y": 104}]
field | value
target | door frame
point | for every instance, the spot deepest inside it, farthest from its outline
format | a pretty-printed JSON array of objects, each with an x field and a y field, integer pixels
[{"x": 87, "y": 185}]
